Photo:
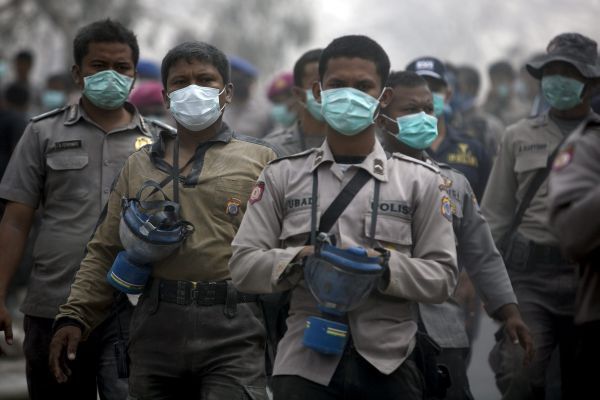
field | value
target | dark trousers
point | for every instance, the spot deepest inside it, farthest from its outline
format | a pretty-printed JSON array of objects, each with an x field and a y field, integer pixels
[
  {"x": 456, "y": 362},
  {"x": 354, "y": 379},
  {"x": 194, "y": 351},
  {"x": 93, "y": 371},
  {"x": 587, "y": 356}
]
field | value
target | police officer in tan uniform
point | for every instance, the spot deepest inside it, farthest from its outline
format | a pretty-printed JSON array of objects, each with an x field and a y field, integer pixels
[
  {"x": 574, "y": 189},
  {"x": 400, "y": 208},
  {"x": 192, "y": 334},
  {"x": 409, "y": 127},
  {"x": 542, "y": 277},
  {"x": 64, "y": 166},
  {"x": 309, "y": 130}
]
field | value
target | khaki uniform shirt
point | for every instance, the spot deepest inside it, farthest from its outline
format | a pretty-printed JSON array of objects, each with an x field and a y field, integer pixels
[
  {"x": 574, "y": 202},
  {"x": 414, "y": 223},
  {"x": 525, "y": 148},
  {"x": 65, "y": 164},
  {"x": 212, "y": 197},
  {"x": 292, "y": 140}
]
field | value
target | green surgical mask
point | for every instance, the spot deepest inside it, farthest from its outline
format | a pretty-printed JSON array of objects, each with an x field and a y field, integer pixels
[
  {"x": 438, "y": 104},
  {"x": 312, "y": 106},
  {"x": 107, "y": 89},
  {"x": 562, "y": 93},
  {"x": 282, "y": 115}
]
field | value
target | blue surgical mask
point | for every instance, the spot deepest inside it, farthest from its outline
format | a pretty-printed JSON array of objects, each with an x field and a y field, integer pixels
[
  {"x": 195, "y": 107},
  {"x": 417, "y": 131},
  {"x": 562, "y": 93},
  {"x": 348, "y": 110},
  {"x": 438, "y": 104},
  {"x": 282, "y": 115},
  {"x": 312, "y": 106},
  {"x": 107, "y": 89},
  {"x": 52, "y": 99}
]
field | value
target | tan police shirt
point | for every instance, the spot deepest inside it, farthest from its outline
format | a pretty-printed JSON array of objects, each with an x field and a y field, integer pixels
[
  {"x": 213, "y": 198},
  {"x": 524, "y": 150},
  {"x": 413, "y": 222},
  {"x": 65, "y": 165}
]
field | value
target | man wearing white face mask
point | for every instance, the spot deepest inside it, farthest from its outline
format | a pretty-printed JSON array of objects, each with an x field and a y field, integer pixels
[
  {"x": 385, "y": 216},
  {"x": 64, "y": 166},
  {"x": 192, "y": 333}
]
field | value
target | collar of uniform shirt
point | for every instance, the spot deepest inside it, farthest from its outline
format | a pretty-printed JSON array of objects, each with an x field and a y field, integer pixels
[
  {"x": 375, "y": 162},
  {"x": 76, "y": 112}
]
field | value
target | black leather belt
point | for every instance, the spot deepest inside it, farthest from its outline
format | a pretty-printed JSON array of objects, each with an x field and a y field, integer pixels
[{"x": 200, "y": 293}]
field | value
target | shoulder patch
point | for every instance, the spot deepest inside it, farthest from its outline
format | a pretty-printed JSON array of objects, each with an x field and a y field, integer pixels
[
  {"x": 159, "y": 125},
  {"x": 297, "y": 155},
  {"x": 402, "y": 157},
  {"x": 563, "y": 158},
  {"x": 48, "y": 114}
]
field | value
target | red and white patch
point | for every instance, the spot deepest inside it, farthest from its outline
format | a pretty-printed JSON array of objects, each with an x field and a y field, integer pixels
[
  {"x": 257, "y": 193},
  {"x": 563, "y": 158}
]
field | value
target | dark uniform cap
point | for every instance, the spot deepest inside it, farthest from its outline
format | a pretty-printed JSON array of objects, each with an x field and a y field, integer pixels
[
  {"x": 243, "y": 65},
  {"x": 428, "y": 66},
  {"x": 572, "y": 48}
]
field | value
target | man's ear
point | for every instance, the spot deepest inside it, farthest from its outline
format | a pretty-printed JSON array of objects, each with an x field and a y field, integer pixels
[
  {"x": 316, "y": 89},
  {"x": 166, "y": 100},
  {"x": 386, "y": 97},
  {"x": 229, "y": 90},
  {"x": 299, "y": 94},
  {"x": 76, "y": 76}
]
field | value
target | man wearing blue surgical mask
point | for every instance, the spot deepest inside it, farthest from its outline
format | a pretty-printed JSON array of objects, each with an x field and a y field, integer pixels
[
  {"x": 309, "y": 130},
  {"x": 193, "y": 335},
  {"x": 64, "y": 165},
  {"x": 409, "y": 127},
  {"x": 516, "y": 206}
]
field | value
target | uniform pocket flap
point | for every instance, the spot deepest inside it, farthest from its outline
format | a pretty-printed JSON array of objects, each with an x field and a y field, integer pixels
[
  {"x": 61, "y": 162},
  {"x": 530, "y": 162},
  {"x": 390, "y": 229}
]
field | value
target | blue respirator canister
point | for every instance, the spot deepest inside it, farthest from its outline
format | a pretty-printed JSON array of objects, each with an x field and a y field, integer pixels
[
  {"x": 149, "y": 231},
  {"x": 340, "y": 280}
]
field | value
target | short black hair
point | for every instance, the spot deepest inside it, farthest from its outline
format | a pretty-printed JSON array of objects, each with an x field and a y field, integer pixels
[
  {"x": 17, "y": 94},
  {"x": 24, "y": 55},
  {"x": 105, "y": 31},
  {"x": 501, "y": 68},
  {"x": 407, "y": 79},
  {"x": 189, "y": 51},
  {"x": 356, "y": 46},
  {"x": 311, "y": 56},
  {"x": 469, "y": 76}
]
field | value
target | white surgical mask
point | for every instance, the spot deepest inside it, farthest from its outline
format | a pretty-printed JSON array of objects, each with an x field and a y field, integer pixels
[{"x": 196, "y": 107}]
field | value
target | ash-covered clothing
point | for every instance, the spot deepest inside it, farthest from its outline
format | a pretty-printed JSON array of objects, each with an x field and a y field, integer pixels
[
  {"x": 293, "y": 140},
  {"x": 65, "y": 164},
  {"x": 477, "y": 255},
  {"x": 574, "y": 207},
  {"x": 414, "y": 223},
  {"x": 212, "y": 197}
]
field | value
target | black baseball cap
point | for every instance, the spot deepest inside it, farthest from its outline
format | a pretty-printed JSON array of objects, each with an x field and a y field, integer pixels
[{"x": 428, "y": 66}]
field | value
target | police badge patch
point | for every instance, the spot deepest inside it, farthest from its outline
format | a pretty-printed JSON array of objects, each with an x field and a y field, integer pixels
[
  {"x": 257, "y": 193},
  {"x": 563, "y": 158},
  {"x": 446, "y": 208},
  {"x": 141, "y": 141},
  {"x": 233, "y": 206}
]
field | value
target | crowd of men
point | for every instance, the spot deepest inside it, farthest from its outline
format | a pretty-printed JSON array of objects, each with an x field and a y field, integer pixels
[{"x": 333, "y": 247}]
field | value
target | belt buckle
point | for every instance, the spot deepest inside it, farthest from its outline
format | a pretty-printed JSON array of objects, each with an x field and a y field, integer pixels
[{"x": 206, "y": 297}]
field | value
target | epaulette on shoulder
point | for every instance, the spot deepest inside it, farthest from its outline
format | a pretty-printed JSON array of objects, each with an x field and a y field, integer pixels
[
  {"x": 48, "y": 114},
  {"x": 402, "y": 157},
  {"x": 159, "y": 125},
  {"x": 304, "y": 153}
]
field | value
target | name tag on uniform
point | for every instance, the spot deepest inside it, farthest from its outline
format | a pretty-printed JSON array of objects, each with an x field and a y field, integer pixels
[{"x": 67, "y": 144}]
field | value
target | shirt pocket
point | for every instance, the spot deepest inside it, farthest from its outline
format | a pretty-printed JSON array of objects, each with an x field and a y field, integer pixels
[
  {"x": 391, "y": 233},
  {"x": 295, "y": 228},
  {"x": 527, "y": 165},
  {"x": 230, "y": 198},
  {"x": 65, "y": 176}
]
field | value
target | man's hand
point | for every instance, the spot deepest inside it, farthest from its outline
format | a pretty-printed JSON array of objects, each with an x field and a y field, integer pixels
[
  {"x": 517, "y": 331},
  {"x": 66, "y": 339},
  {"x": 6, "y": 323},
  {"x": 305, "y": 252}
]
